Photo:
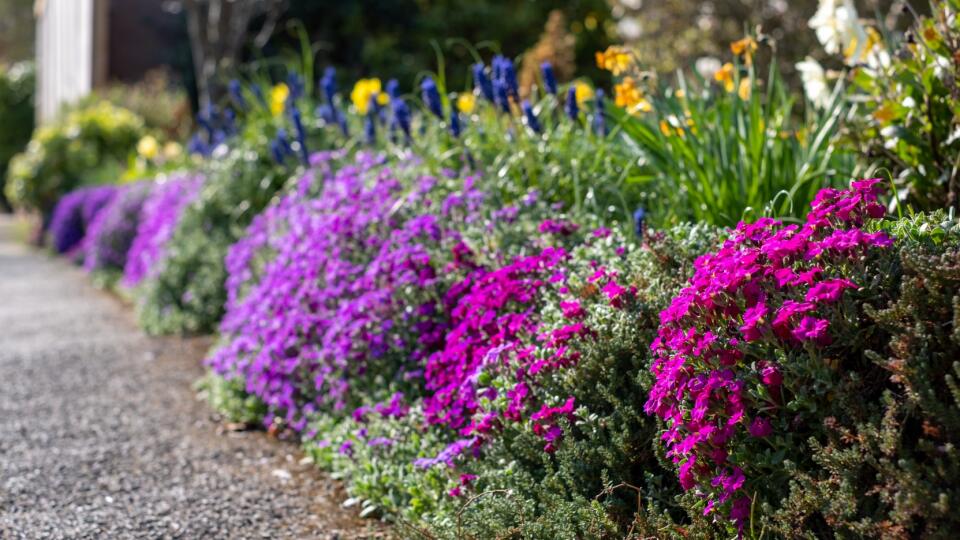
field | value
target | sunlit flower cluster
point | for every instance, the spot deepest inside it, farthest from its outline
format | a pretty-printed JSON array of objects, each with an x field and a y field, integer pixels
[{"x": 771, "y": 287}]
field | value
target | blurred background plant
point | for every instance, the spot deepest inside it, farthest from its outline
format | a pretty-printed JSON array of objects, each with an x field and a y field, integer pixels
[
  {"x": 909, "y": 127},
  {"x": 17, "y": 83},
  {"x": 159, "y": 99},
  {"x": 90, "y": 145},
  {"x": 675, "y": 34}
]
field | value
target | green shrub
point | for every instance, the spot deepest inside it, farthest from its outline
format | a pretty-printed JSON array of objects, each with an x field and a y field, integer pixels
[
  {"x": 86, "y": 146},
  {"x": 886, "y": 463},
  {"x": 17, "y": 84}
]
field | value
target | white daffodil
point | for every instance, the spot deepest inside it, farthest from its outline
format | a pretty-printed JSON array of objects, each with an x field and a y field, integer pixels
[
  {"x": 837, "y": 24},
  {"x": 814, "y": 82}
]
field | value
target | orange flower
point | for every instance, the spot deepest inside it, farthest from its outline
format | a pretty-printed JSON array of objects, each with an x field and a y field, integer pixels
[
  {"x": 725, "y": 75},
  {"x": 615, "y": 60},
  {"x": 745, "y": 47},
  {"x": 628, "y": 96}
]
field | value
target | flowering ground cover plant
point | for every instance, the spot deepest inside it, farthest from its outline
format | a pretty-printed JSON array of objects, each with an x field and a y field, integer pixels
[
  {"x": 74, "y": 213},
  {"x": 331, "y": 264},
  {"x": 110, "y": 234},
  {"x": 763, "y": 351},
  {"x": 158, "y": 219}
]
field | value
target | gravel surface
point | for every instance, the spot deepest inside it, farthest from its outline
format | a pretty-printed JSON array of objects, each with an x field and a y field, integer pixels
[{"x": 102, "y": 436}]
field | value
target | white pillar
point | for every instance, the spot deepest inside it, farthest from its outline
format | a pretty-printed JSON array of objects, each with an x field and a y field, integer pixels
[{"x": 65, "y": 32}]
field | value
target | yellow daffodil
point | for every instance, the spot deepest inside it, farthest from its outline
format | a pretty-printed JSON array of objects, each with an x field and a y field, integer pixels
[
  {"x": 725, "y": 75},
  {"x": 466, "y": 103},
  {"x": 278, "y": 98},
  {"x": 746, "y": 48},
  {"x": 363, "y": 91},
  {"x": 148, "y": 148},
  {"x": 615, "y": 60},
  {"x": 584, "y": 92},
  {"x": 628, "y": 96},
  {"x": 691, "y": 125},
  {"x": 744, "y": 90}
]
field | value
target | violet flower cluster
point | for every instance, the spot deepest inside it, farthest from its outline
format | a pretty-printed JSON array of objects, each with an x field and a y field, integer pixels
[
  {"x": 318, "y": 311},
  {"x": 158, "y": 219},
  {"x": 73, "y": 215},
  {"x": 769, "y": 284},
  {"x": 111, "y": 232}
]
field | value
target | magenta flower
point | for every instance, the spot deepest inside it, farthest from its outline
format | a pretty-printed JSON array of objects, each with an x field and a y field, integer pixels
[
  {"x": 760, "y": 427},
  {"x": 812, "y": 329}
]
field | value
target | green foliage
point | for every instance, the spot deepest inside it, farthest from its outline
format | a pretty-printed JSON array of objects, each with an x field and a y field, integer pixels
[
  {"x": 230, "y": 399},
  {"x": 17, "y": 84},
  {"x": 718, "y": 155},
  {"x": 86, "y": 146},
  {"x": 909, "y": 124}
]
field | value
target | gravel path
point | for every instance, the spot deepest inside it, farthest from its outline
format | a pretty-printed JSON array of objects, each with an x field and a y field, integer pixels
[{"x": 102, "y": 436}]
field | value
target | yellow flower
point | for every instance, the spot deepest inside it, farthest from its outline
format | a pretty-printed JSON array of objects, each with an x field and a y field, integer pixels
[
  {"x": 744, "y": 90},
  {"x": 670, "y": 126},
  {"x": 363, "y": 91},
  {"x": 665, "y": 128},
  {"x": 629, "y": 97},
  {"x": 615, "y": 60},
  {"x": 583, "y": 92},
  {"x": 278, "y": 98},
  {"x": 725, "y": 75},
  {"x": 172, "y": 150},
  {"x": 148, "y": 147},
  {"x": 745, "y": 47},
  {"x": 466, "y": 103}
]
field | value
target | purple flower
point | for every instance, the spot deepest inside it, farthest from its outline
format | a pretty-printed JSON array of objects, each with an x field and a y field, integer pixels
[
  {"x": 111, "y": 233},
  {"x": 158, "y": 220}
]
